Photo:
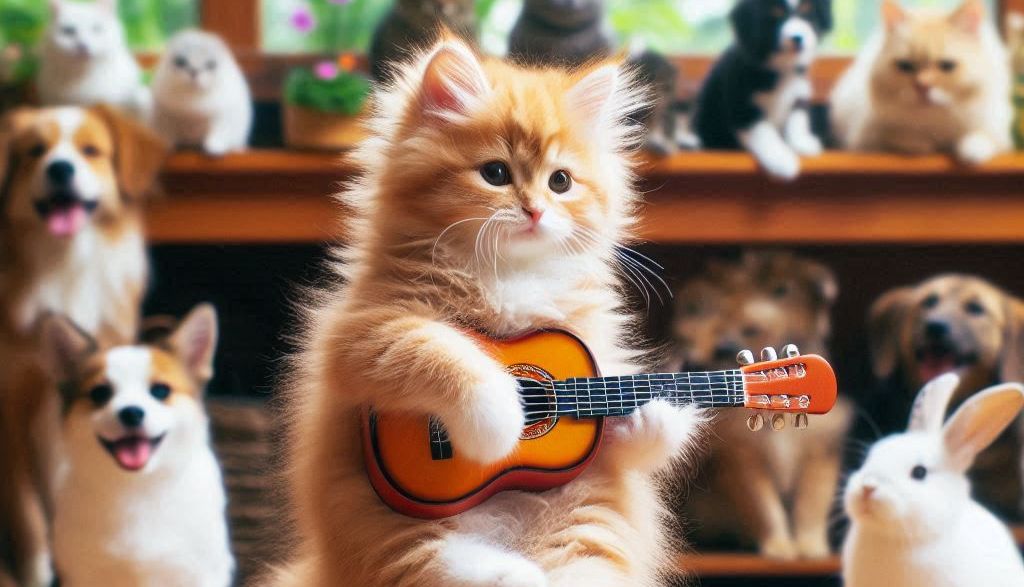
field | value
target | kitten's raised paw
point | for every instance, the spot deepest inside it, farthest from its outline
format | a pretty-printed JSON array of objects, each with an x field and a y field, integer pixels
[
  {"x": 976, "y": 148},
  {"x": 475, "y": 564},
  {"x": 488, "y": 427}
]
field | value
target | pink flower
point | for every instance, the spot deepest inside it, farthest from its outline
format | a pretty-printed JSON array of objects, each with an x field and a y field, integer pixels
[
  {"x": 303, "y": 20},
  {"x": 326, "y": 70}
]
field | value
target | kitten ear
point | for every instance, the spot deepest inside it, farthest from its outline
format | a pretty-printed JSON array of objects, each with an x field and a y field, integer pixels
[
  {"x": 589, "y": 99},
  {"x": 970, "y": 16},
  {"x": 893, "y": 14},
  {"x": 55, "y": 7},
  {"x": 454, "y": 83},
  {"x": 108, "y": 5}
]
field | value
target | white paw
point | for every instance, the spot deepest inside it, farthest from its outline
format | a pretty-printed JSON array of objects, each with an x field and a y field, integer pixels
[
  {"x": 42, "y": 571},
  {"x": 806, "y": 145},
  {"x": 813, "y": 546},
  {"x": 976, "y": 148},
  {"x": 216, "y": 147},
  {"x": 488, "y": 427},
  {"x": 654, "y": 435},
  {"x": 783, "y": 164},
  {"x": 779, "y": 548},
  {"x": 473, "y": 564}
]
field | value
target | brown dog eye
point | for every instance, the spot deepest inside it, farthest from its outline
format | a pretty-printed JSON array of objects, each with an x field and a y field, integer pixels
[
  {"x": 37, "y": 151},
  {"x": 100, "y": 395},
  {"x": 947, "y": 65},
  {"x": 91, "y": 151},
  {"x": 160, "y": 391},
  {"x": 560, "y": 181},
  {"x": 930, "y": 302},
  {"x": 974, "y": 308}
]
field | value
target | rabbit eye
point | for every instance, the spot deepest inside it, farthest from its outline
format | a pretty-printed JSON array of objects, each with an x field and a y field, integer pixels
[{"x": 918, "y": 473}]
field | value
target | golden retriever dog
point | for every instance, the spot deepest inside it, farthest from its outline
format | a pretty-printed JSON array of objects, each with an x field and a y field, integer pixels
[
  {"x": 772, "y": 487},
  {"x": 71, "y": 184},
  {"x": 951, "y": 323}
]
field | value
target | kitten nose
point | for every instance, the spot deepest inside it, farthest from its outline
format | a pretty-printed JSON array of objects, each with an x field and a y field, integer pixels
[
  {"x": 60, "y": 172},
  {"x": 131, "y": 416},
  {"x": 534, "y": 214}
]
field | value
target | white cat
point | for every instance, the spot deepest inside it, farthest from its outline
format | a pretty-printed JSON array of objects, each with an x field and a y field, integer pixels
[
  {"x": 202, "y": 99},
  {"x": 85, "y": 60}
]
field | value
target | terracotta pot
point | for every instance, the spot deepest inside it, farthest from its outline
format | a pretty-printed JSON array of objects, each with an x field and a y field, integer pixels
[{"x": 311, "y": 129}]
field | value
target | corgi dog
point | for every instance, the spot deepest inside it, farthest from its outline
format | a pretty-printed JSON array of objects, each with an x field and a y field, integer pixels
[
  {"x": 71, "y": 241},
  {"x": 141, "y": 501}
]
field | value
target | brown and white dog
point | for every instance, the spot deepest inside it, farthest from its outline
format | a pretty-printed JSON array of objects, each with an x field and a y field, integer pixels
[
  {"x": 71, "y": 241},
  {"x": 778, "y": 486},
  {"x": 951, "y": 323}
]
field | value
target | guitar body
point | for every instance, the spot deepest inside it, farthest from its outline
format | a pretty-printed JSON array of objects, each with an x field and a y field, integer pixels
[{"x": 418, "y": 473}]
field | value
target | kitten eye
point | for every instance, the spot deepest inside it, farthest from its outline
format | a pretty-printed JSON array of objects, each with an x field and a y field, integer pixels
[
  {"x": 67, "y": 31},
  {"x": 930, "y": 302},
  {"x": 100, "y": 395},
  {"x": 692, "y": 309},
  {"x": 211, "y": 65},
  {"x": 906, "y": 65},
  {"x": 560, "y": 181},
  {"x": 947, "y": 65},
  {"x": 918, "y": 473},
  {"x": 180, "y": 61},
  {"x": 160, "y": 391},
  {"x": 37, "y": 151},
  {"x": 496, "y": 173},
  {"x": 974, "y": 308},
  {"x": 91, "y": 151}
]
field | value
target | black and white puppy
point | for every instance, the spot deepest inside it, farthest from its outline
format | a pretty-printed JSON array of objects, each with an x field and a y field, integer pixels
[{"x": 757, "y": 95}]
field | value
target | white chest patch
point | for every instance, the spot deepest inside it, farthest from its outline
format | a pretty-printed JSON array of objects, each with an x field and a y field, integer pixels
[{"x": 778, "y": 103}]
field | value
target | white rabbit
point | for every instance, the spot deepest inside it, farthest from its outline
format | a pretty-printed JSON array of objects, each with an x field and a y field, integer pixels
[
  {"x": 914, "y": 523},
  {"x": 202, "y": 98}
]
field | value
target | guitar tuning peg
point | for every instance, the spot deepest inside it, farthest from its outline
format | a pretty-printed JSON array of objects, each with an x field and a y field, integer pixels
[
  {"x": 790, "y": 351},
  {"x": 755, "y": 422},
  {"x": 778, "y": 422},
  {"x": 768, "y": 354},
  {"x": 800, "y": 421},
  {"x": 745, "y": 357}
]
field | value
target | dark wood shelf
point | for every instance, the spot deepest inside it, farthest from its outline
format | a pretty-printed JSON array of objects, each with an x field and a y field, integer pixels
[{"x": 692, "y": 198}]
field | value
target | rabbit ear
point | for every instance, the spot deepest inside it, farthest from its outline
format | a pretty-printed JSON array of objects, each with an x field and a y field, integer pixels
[
  {"x": 979, "y": 421},
  {"x": 929, "y": 409}
]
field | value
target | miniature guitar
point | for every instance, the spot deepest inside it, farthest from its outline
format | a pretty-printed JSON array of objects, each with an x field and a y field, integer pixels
[{"x": 416, "y": 470}]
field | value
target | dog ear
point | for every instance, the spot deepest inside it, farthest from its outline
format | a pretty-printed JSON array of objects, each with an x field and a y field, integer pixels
[
  {"x": 138, "y": 152},
  {"x": 825, "y": 21},
  {"x": 10, "y": 124},
  {"x": 195, "y": 341},
  {"x": 744, "y": 19},
  {"x": 1011, "y": 367},
  {"x": 824, "y": 290},
  {"x": 64, "y": 346},
  {"x": 885, "y": 329}
]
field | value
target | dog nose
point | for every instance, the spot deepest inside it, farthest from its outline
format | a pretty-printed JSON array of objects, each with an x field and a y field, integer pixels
[
  {"x": 727, "y": 350},
  {"x": 936, "y": 329},
  {"x": 60, "y": 172},
  {"x": 868, "y": 490},
  {"x": 798, "y": 42},
  {"x": 131, "y": 416}
]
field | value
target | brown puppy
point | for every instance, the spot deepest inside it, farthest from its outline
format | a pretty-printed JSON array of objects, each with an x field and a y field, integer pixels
[
  {"x": 780, "y": 483},
  {"x": 71, "y": 183},
  {"x": 961, "y": 324}
]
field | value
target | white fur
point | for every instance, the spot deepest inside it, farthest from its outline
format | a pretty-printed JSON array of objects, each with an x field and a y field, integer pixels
[
  {"x": 473, "y": 563},
  {"x": 93, "y": 65},
  {"x": 930, "y": 533},
  {"x": 975, "y": 131},
  {"x": 163, "y": 525},
  {"x": 198, "y": 106}
]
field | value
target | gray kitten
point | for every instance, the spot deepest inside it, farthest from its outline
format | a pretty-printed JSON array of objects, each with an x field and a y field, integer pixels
[
  {"x": 560, "y": 32},
  {"x": 413, "y": 24}
]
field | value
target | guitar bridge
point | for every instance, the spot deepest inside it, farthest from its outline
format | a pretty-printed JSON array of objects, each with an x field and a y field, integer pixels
[{"x": 440, "y": 444}]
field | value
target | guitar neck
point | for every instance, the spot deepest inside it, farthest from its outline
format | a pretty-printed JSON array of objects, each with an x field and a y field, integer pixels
[{"x": 620, "y": 396}]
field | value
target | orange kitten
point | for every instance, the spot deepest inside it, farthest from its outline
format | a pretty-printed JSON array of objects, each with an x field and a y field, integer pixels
[
  {"x": 930, "y": 82},
  {"x": 492, "y": 199}
]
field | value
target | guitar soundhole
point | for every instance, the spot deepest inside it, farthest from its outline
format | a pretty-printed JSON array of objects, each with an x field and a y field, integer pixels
[{"x": 539, "y": 400}]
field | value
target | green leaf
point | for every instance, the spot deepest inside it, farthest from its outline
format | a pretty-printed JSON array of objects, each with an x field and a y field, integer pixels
[{"x": 345, "y": 94}]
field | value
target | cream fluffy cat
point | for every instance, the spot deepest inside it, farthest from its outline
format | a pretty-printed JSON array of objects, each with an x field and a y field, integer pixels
[
  {"x": 930, "y": 82},
  {"x": 85, "y": 60},
  {"x": 202, "y": 98},
  {"x": 492, "y": 199}
]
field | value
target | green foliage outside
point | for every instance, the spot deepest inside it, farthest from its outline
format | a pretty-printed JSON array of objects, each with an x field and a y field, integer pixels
[{"x": 344, "y": 94}]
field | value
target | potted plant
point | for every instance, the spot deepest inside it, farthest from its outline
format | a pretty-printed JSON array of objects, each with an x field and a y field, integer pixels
[
  {"x": 323, "y": 105},
  {"x": 21, "y": 24}
]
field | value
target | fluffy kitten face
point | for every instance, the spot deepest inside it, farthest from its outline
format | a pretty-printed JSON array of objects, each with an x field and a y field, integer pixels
[
  {"x": 85, "y": 30},
  {"x": 195, "y": 61},
  {"x": 930, "y": 58},
  {"x": 493, "y": 166}
]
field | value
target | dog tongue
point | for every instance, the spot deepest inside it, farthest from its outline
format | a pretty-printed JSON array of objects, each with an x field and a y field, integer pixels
[
  {"x": 64, "y": 222},
  {"x": 132, "y": 453},
  {"x": 933, "y": 365}
]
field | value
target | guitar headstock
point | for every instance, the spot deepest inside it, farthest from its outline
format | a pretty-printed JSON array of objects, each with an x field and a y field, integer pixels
[{"x": 795, "y": 384}]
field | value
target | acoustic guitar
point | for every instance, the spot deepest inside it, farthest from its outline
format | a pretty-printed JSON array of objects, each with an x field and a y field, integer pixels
[{"x": 416, "y": 470}]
